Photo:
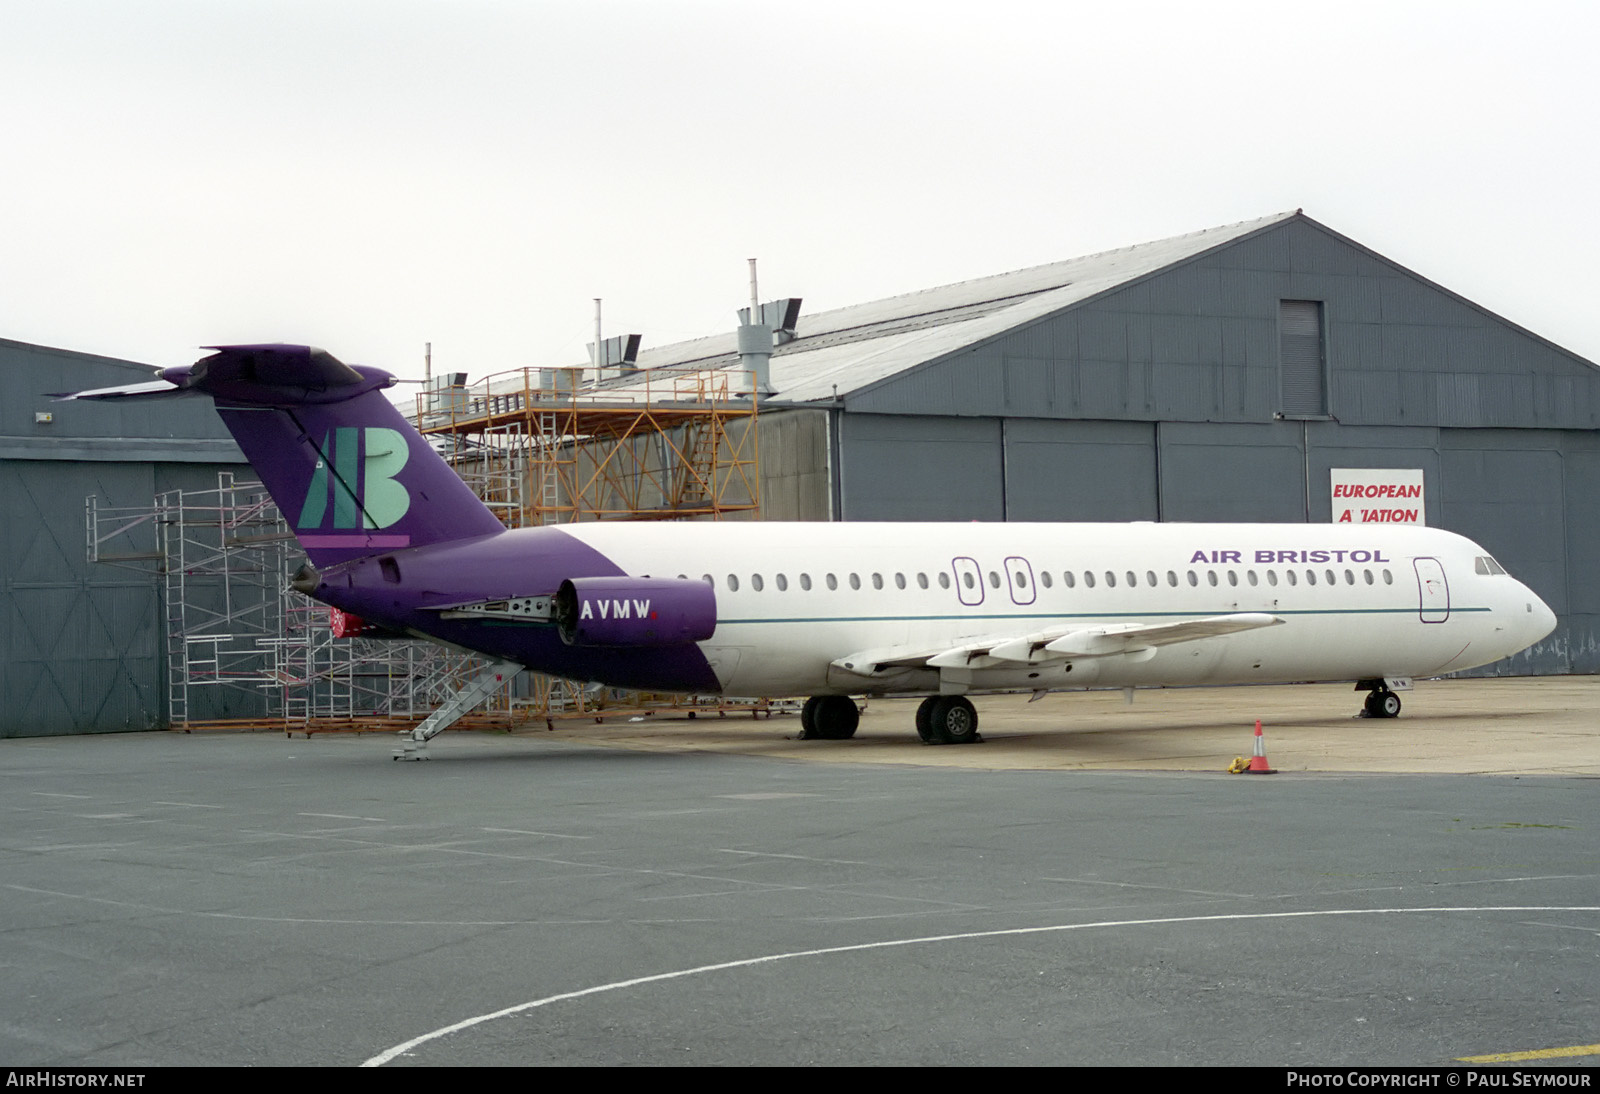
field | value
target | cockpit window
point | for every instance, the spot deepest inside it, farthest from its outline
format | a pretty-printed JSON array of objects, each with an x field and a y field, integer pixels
[{"x": 1483, "y": 564}]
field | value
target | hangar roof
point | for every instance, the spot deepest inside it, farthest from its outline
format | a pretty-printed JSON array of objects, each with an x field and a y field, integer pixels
[{"x": 848, "y": 348}]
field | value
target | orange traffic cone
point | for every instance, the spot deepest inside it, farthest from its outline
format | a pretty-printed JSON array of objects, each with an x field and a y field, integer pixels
[{"x": 1258, "y": 762}]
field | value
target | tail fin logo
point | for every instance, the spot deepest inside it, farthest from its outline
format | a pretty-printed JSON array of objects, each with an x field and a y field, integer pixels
[{"x": 357, "y": 475}]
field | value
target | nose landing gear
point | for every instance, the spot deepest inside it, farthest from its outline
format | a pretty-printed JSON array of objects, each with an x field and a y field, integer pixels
[{"x": 1380, "y": 701}]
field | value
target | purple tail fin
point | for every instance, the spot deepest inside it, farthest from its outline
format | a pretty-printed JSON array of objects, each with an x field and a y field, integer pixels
[{"x": 350, "y": 474}]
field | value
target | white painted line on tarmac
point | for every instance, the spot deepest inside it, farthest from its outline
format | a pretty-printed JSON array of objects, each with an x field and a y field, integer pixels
[
  {"x": 531, "y": 832},
  {"x": 801, "y": 858},
  {"x": 750, "y": 962}
]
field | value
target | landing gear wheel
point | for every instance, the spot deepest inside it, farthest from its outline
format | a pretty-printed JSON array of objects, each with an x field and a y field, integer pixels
[
  {"x": 829, "y": 718},
  {"x": 953, "y": 721},
  {"x": 808, "y": 717},
  {"x": 925, "y": 719},
  {"x": 1382, "y": 704}
]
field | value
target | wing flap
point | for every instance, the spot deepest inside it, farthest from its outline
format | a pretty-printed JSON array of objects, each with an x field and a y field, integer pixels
[{"x": 1053, "y": 644}]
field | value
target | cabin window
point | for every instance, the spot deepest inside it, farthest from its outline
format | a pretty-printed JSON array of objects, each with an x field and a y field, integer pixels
[
  {"x": 1133, "y": 580},
  {"x": 1020, "y": 578},
  {"x": 1088, "y": 579},
  {"x": 994, "y": 580},
  {"x": 733, "y": 583},
  {"x": 1388, "y": 578},
  {"x": 1150, "y": 576},
  {"x": 855, "y": 581},
  {"x": 1368, "y": 575},
  {"x": 1272, "y": 577},
  {"x": 1111, "y": 580},
  {"x": 805, "y": 582},
  {"x": 877, "y": 581},
  {"x": 1211, "y": 577},
  {"x": 1172, "y": 578},
  {"x": 967, "y": 580},
  {"x": 756, "y": 583},
  {"x": 899, "y": 581},
  {"x": 708, "y": 580},
  {"x": 944, "y": 580},
  {"x": 833, "y": 582},
  {"x": 1349, "y": 578},
  {"x": 1233, "y": 578},
  {"x": 1311, "y": 577},
  {"x": 1333, "y": 578},
  {"x": 1068, "y": 579},
  {"x": 1193, "y": 580},
  {"x": 783, "y": 583},
  {"x": 922, "y": 580},
  {"x": 1250, "y": 576},
  {"x": 1045, "y": 579},
  {"x": 1293, "y": 580}
]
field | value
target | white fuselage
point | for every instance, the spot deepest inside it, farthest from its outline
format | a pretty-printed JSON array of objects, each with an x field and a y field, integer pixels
[{"x": 795, "y": 602}]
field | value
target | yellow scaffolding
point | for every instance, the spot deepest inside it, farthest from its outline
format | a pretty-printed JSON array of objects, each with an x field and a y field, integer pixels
[{"x": 540, "y": 448}]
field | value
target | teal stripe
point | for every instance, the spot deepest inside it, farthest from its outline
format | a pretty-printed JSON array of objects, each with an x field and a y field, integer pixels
[{"x": 1198, "y": 614}]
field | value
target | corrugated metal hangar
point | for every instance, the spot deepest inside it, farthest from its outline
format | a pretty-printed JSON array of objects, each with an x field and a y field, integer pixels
[
  {"x": 1218, "y": 376},
  {"x": 1225, "y": 375},
  {"x": 84, "y": 645}
]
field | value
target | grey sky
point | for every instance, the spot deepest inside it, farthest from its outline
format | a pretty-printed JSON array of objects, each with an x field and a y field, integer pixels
[{"x": 371, "y": 176}]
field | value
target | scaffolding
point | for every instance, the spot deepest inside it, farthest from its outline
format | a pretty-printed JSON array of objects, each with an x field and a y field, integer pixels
[
  {"x": 538, "y": 446},
  {"x": 541, "y": 447},
  {"x": 245, "y": 650}
]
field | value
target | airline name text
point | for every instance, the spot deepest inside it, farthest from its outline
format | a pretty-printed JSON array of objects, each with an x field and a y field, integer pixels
[{"x": 1265, "y": 557}]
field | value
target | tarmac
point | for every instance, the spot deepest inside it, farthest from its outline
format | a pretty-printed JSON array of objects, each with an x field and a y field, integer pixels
[
  {"x": 1085, "y": 887},
  {"x": 1524, "y": 725}
]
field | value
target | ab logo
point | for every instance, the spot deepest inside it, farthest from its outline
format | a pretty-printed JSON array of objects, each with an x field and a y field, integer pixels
[{"x": 362, "y": 484}]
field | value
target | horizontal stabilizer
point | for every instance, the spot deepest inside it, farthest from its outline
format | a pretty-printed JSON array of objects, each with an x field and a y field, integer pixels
[
  {"x": 154, "y": 389},
  {"x": 276, "y": 375}
]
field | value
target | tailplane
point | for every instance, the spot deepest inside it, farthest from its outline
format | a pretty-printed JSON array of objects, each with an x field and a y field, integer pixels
[{"x": 350, "y": 474}]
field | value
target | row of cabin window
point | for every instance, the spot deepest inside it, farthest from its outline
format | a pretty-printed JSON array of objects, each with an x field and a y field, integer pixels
[{"x": 1069, "y": 579}]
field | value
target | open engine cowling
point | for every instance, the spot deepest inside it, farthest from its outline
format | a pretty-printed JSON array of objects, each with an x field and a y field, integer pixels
[{"x": 637, "y": 612}]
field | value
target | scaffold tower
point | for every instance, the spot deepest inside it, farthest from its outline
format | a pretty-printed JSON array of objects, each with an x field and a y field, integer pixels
[
  {"x": 544, "y": 448},
  {"x": 245, "y": 650}
]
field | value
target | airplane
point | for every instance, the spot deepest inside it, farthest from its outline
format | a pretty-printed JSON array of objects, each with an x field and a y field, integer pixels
[{"x": 833, "y": 610}]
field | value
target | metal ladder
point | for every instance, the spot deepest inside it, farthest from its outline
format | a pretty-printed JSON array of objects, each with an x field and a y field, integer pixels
[{"x": 479, "y": 688}]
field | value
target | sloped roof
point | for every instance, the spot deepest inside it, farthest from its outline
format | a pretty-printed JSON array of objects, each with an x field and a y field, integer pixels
[{"x": 849, "y": 348}]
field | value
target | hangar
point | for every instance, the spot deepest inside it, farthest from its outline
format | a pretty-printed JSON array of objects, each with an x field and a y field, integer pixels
[
  {"x": 1216, "y": 376},
  {"x": 85, "y": 645},
  {"x": 1219, "y": 376}
]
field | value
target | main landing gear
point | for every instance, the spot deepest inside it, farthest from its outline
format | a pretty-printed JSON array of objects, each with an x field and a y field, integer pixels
[
  {"x": 1380, "y": 702},
  {"x": 947, "y": 720},
  {"x": 829, "y": 718},
  {"x": 941, "y": 719}
]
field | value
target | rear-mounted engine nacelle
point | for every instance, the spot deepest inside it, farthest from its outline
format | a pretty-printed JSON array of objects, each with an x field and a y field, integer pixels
[{"x": 640, "y": 612}]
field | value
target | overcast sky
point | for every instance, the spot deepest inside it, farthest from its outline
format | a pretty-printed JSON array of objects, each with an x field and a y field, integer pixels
[{"x": 370, "y": 176}]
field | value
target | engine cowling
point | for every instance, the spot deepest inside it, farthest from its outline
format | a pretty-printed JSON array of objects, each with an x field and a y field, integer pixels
[{"x": 635, "y": 612}]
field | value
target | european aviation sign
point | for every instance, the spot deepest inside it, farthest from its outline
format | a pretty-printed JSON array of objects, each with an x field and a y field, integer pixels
[{"x": 1373, "y": 495}]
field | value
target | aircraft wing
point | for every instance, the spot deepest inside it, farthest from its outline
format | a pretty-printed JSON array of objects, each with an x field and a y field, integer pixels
[{"x": 1066, "y": 642}]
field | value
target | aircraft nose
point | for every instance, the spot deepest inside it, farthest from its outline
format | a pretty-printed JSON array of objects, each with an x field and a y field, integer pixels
[{"x": 1539, "y": 619}]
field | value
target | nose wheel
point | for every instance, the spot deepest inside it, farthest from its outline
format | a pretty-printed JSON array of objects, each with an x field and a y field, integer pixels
[{"x": 1381, "y": 703}]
